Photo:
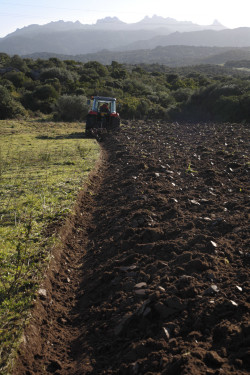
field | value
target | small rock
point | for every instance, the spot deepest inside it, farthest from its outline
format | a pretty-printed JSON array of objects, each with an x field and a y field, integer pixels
[
  {"x": 140, "y": 292},
  {"x": 42, "y": 293},
  {"x": 207, "y": 219},
  {"x": 161, "y": 289},
  {"x": 212, "y": 290},
  {"x": 166, "y": 333},
  {"x": 214, "y": 244},
  {"x": 140, "y": 285},
  {"x": 174, "y": 200},
  {"x": 186, "y": 278},
  {"x": 193, "y": 201}
]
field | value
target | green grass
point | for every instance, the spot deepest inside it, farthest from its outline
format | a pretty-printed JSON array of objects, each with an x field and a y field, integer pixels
[{"x": 43, "y": 165}]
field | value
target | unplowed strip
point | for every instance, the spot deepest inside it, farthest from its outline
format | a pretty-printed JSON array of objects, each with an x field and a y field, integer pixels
[{"x": 153, "y": 275}]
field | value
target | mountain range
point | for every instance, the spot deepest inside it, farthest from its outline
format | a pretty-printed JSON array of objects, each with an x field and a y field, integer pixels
[
  {"x": 153, "y": 39},
  {"x": 109, "y": 33}
]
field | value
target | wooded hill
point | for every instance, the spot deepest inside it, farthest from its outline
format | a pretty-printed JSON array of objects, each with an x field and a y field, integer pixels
[
  {"x": 61, "y": 88},
  {"x": 173, "y": 56}
]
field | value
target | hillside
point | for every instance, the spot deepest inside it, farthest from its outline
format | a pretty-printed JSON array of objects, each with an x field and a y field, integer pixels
[
  {"x": 239, "y": 37},
  {"x": 173, "y": 56}
]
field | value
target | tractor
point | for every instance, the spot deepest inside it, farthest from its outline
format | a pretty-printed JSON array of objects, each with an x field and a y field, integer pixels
[{"x": 102, "y": 117}]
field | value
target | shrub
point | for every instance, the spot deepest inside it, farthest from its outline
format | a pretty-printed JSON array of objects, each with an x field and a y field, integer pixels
[
  {"x": 128, "y": 107},
  {"x": 80, "y": 91},
  {"x": 9, "y": 108},
  {"x": 165, "y": 99},
  {"x": 182, "y": 94},
  {"x": 227, "y": 108},
  {"x": 143, "y": 108},
  {"x": 71, "y": 108},
  {"x": 18, "y": 63},
  {"x": 63, "y": 75},
  {"x": 8, "y": 85},
  {"x": 45, "y": 92},
  {"x": 245, "y": 106},
  {"x": 100, "y": 69},
  {"x": 17, "y": 78}
]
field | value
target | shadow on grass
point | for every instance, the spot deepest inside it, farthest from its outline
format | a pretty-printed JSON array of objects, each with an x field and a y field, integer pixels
[{"x": 75, "y": 135}]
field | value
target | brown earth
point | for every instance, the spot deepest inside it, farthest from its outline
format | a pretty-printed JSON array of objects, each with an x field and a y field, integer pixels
[{"x": 153, "y": 277}]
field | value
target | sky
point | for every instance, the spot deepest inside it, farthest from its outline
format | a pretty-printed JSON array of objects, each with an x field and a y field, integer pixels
[{"x": 19, "y": 13}]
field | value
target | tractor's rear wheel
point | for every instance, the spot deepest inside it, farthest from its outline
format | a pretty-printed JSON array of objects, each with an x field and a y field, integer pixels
[{"x": 90, "y": 124}]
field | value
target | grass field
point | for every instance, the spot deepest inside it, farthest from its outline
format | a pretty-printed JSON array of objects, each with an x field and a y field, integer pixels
[{"x": 43, "y": 165}]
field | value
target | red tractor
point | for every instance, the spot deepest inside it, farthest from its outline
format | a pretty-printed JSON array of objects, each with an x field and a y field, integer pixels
[{"x": 102, "y": 117}]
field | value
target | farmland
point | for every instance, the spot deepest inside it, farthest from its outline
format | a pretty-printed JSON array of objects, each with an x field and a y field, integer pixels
[
  {"x": 153, "y": 276},
  {"x": 43, "y": 165}
]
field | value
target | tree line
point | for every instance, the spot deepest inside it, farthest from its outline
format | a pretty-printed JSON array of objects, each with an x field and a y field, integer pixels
[{"x": 61, "y": 88}]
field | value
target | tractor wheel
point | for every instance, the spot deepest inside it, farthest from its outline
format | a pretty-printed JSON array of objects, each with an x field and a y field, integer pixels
[{"x": 90, "y": 124}]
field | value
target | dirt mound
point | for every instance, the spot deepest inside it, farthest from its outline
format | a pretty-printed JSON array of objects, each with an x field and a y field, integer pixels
[{"x": 154, "y": 274}]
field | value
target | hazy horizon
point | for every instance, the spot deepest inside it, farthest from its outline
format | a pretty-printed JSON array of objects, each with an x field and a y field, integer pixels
[{"x": 20, "y": 13}]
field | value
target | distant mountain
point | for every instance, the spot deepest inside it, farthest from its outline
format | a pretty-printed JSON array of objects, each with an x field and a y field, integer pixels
[
  {"x": 76, "y": 38},
  {"x": 72, "y": 41},
  {"x": 239, "y": 37},
  {"x": 172, "y": 56},
  {"x": 173, "y": 25}
]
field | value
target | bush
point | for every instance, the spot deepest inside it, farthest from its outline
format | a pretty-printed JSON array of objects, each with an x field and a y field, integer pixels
[
  {"x": 41, "y": 99},
  {"x": 46, "y": 91},
  {"x": 63, "y": 75},
  {"x": 227, "y": 108},
  {"x": 100, "y": 69},
  {"x": 182, "y": 94},
  {"x": 17, "y": 78},
  {"x": 71, "y": 108},
  {"x": 245, "y": 106},
  {"x": 9, "y": 108}
]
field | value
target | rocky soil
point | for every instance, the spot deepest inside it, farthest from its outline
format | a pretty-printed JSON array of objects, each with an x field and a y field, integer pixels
[{"x": 153, "y": 274}]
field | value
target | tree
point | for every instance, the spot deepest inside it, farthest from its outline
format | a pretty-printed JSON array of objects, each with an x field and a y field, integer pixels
[
  {"x": 71, "y": 108},
  {"x": 9, "y": 108},
  {"x": 4, "y": 59},
  {"x": 45, "y": 92},
  {"x": 63, "y": 75},
  {"x": 17, "y": 78},
  {"x": 18, "y": 63}
]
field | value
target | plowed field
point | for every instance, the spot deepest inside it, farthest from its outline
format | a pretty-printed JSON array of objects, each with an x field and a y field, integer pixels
[{"x": 153, "y": 274}]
